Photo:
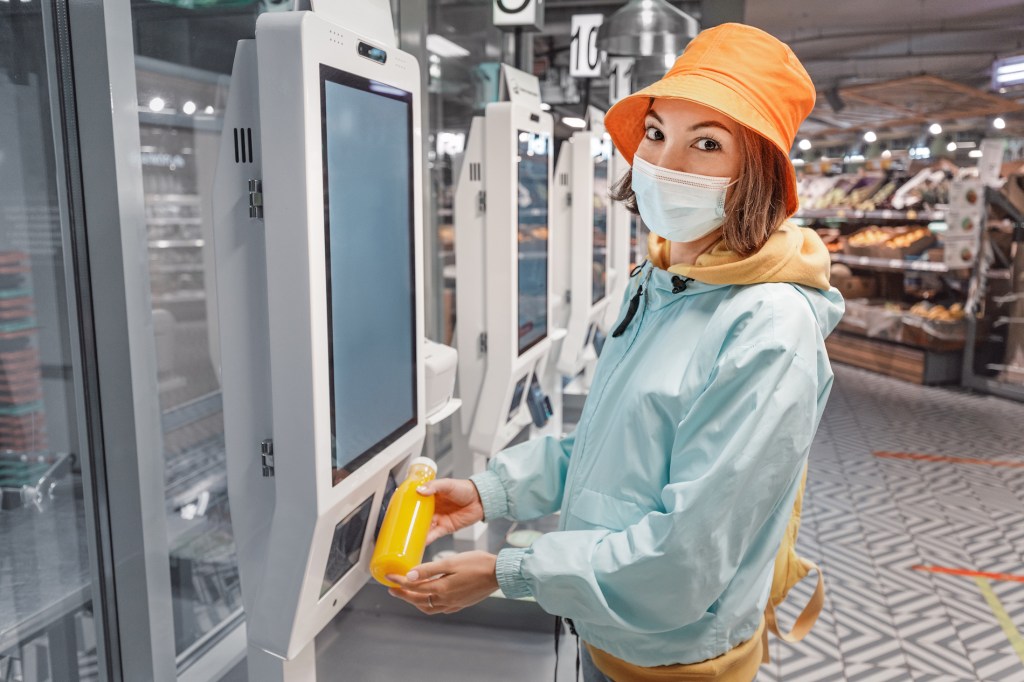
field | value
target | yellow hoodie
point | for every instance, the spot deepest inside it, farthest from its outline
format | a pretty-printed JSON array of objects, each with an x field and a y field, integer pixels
[{"x": 792, "y": 254}]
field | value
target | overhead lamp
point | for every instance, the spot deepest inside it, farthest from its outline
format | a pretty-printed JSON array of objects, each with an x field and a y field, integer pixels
[
  {"x": 574, "y": 122},
  {"x": 645, "y": 28},
  {"x": 974, "y": 154},
  {"x": 951, "y": 147},
  {"x": 935, "y": 129},
  {"x": 797, "y": 162},
  {"x": 1008, "y": 72},
  {"x": 998, "y": 123},
  {"x": 870, "y": 136},
  {"x": 189, "y": 107},
  {"x": 208, "y": 110},
  {"x": 545, "y": 106},
  {"x": 443, "y": 47},
  {"x": 886, "y": 154},
  {"x": 805, "y": 145}
]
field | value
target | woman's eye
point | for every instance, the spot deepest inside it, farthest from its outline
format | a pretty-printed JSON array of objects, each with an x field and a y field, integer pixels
[
  {"x": 706, "y": 144},
  {"x": 652, "y": 133}
]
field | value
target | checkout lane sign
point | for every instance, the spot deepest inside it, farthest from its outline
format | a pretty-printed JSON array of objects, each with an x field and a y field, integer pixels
[
  {"x": 620, "y": 78},
  {"x": 515, "y": 12},
  {"x": 584, "y": 58}
]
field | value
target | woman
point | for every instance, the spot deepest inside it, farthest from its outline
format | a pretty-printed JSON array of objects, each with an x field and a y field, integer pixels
[{"x": 679, "y": 481}]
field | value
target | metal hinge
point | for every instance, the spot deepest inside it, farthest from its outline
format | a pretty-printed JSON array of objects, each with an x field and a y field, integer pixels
[
  {"x": 255, "y": 198},
  {"x": 483, "y": 343},
  {"x": 481, "y": 201},
  {"x": 267, "y": 457}
]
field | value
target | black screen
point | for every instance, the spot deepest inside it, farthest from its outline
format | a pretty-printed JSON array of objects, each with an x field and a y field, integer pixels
[{"x": 369, "y": 232}]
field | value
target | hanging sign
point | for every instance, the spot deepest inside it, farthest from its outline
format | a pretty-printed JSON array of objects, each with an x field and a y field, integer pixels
[
  {"x": 620, "y": 78},
  {"x": 519, "y": 86},
  {"x": 964, "y": 223},
  {"x": 513, "y": 13},
  {"x": 584, "y": 58},
  {"x": 991, "y": 161}
]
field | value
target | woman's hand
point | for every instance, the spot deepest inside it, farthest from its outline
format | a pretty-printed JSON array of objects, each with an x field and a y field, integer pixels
[
  {"x": 456, "y": 505},
  {"x": 448, "y": 585}
]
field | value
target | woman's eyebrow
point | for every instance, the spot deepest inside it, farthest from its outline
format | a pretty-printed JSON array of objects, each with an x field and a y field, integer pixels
[{"x": 710, "y": 124}]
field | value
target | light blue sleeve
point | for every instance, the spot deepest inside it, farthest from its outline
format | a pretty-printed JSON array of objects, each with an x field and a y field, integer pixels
[
  {"x": 734, "y": 458},
  {"x": 527, "y": 480}
]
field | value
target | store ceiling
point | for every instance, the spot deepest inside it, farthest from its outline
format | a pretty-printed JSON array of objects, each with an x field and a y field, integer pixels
[{"x": 844, "y": 45}]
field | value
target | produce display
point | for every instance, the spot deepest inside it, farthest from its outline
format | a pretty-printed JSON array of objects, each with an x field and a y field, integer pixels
[
  {"x": 938, "y": 313},
  {"x": 870, "y": 236},
  {"x": 905, "y": 240}
]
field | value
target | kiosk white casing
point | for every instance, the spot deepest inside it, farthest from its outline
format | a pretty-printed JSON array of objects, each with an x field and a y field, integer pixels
[
  {"x": 586, "y": 275},
  {"x": 275, "y": 328},
  {"x": 487, "y": 248},
  {"x": 622, "y": 246}
]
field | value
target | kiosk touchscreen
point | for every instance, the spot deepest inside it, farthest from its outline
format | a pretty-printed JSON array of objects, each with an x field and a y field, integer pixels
[
  {"x": 582, "y": 188},
  {"x": 503, "y": 268},
  {"x": 321, "y": 335}
]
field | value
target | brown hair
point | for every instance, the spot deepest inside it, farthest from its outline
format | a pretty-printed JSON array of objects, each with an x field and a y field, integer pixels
[{"x": 756, "y": 204}]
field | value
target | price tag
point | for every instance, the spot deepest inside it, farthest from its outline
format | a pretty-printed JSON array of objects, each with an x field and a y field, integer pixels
[
  {"x": 620, "y": 78},
  {"x": 584, "y": 58}
]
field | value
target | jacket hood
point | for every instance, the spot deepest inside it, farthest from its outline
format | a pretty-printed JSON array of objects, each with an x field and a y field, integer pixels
[{"x": 792, "y": 255}]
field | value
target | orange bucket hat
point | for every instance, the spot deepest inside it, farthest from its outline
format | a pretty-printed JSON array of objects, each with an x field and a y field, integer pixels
[{"x": 738, "y": 70}]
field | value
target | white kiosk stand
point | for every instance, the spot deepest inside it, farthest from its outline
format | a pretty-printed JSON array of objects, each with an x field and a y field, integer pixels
[
  {"x": 624, "y": 249},
  {"x": 318, "y": 246},
  {"x": 586, "y": 268},
  {"x": 503, "y": 266}
]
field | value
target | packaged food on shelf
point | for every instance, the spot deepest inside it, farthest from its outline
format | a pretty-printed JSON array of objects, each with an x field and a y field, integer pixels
[
  {"x": 910, "y": 243},
  {"x": 874, "y": 319}
]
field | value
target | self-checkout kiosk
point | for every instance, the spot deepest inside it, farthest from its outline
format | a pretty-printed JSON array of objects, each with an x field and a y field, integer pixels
[
  {"x": 584, "y": 275},
  {"x": 318, "y": 247},
  {"x": 503, "y": 265},
  {"x": 623, "y": 247}
]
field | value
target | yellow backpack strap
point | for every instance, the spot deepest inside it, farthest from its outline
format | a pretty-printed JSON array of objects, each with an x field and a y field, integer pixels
[{"x": 805, "y": 621}]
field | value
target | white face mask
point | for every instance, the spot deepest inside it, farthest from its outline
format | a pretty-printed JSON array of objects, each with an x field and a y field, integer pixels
[{"x": 681, "y": 207}]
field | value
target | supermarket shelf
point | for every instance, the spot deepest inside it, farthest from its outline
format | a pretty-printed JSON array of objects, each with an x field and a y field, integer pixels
[
  {"x": 889, "y": 264},
  {"x": 173, "y": 221},
  {"x": 175, "y": 198},
  {"x": 850, "y": 214},
  {"x": 171, "y": 269},
  {"x": 180, "y": 297},
  {"x": 176, "y": 244}
]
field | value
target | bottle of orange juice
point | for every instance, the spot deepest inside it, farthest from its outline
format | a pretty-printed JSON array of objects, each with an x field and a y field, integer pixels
[{"x": 403, "y": 535}]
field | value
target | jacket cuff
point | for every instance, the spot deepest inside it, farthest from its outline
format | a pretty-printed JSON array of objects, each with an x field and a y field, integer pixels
[
  {"x": 509, "y": 571},
  {"x": 492, "y": 494}
]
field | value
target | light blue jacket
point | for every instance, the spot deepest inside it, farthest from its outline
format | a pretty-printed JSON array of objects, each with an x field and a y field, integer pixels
[{"x": 680, "y": 478}]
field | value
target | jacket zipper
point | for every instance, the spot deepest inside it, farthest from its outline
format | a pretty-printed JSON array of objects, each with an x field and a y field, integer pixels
[{"x": 574, "y": 473}]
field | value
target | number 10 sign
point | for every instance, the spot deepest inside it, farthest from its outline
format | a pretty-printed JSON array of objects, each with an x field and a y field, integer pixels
[{"x": 584, "y": 58}]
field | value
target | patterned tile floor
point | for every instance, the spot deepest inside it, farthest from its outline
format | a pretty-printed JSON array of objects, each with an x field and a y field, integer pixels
[{"x": 868, "y": 520}]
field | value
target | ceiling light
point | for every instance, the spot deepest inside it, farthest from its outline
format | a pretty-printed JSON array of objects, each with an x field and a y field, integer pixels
[
  {"x": 998, "y": 123},
  {"x": 805, "y": 145},
  {"x": 545, "y": 106},
  {"x": 208, "y": 110},
  {"x": 797, "y": 162},
  {"x": 951, "y": 147},
  {"x": 870, "y": 136},
  {"x": 886, "y": 154},
  {"x": 1008, "y": 71},
  {"x": 974, "y": 153},
  {"x": 574, "y": 122},
  {"x": 935, "y": 129},
  {"x": 189, "y": 107},
  {"x": 156, "y": 104},
  {"x": 443, "y": 47}
]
